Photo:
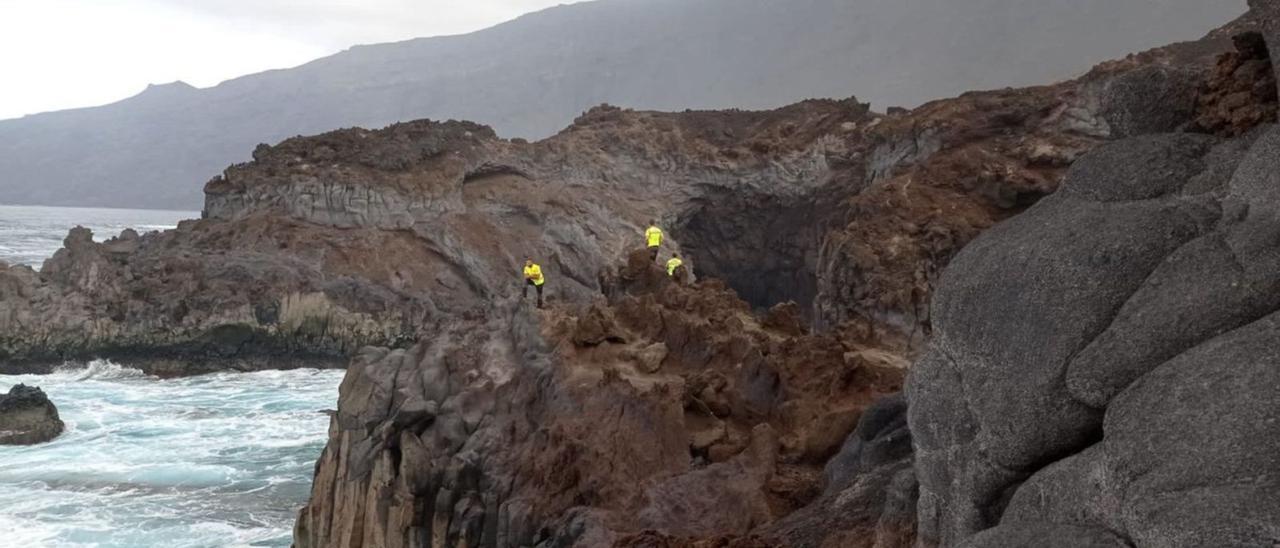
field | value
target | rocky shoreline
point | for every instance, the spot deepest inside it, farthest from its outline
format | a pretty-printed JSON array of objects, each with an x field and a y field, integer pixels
[{"x": 1035, "y": 266}]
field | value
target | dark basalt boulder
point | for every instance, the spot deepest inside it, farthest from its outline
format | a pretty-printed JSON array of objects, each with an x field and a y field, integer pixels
[
  {"x": 1105, "y": 367},
  {"x": 27, "y": 417}
]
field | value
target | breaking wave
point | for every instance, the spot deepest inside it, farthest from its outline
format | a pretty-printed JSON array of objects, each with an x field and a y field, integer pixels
[{"x": 210, "y": 461}]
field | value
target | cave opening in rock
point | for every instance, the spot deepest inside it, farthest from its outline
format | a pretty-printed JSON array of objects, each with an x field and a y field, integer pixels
[{"x": 763, "y": 246}]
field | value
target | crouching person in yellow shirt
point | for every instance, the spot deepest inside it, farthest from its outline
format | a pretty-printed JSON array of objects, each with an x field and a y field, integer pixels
[{"x": 676, "y": 269}]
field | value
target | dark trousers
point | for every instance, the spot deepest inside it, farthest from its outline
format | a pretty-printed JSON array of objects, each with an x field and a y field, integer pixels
[
  {"x": 653, "y": 253},
  {"x": 525, "y": 293}
]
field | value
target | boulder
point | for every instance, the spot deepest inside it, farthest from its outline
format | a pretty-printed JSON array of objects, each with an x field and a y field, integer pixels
[
  {"x": 27, "y": 417},
  {"x": 1104, "y": 367}
]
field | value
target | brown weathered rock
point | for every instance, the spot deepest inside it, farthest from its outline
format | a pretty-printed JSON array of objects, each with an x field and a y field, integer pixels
[
  {"x": 566, "y": 437},
  {"x": 1240, "y": 94}
]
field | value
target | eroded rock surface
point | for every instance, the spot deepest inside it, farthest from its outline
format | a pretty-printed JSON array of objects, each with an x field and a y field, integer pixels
[
  {"x": 1102, "y": 371},
  {"x": 1103, "y": 366},
  {"x": 27, "y": 417},
  {"x": 664, "y": 412}
]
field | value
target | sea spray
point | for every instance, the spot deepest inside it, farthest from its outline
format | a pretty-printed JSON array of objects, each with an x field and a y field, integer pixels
[
  {"x": 216, "y": 460},
  {"x": 102, "y": 370}
]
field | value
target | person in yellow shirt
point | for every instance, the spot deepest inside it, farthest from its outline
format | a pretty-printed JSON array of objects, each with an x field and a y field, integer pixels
[
  {"x": 653, "y": 237},
  {"x": 675, "y": 268},
  {"x": 533, "y": 277}
]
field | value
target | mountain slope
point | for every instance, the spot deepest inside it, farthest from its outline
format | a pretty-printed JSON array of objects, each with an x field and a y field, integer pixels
[{"x": 531, "y": 76}]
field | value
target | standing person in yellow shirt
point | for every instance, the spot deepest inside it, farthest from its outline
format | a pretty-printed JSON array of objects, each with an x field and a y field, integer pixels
[
  {"x": 653, "y": 237},
  {"x": 533, "y": 277}
]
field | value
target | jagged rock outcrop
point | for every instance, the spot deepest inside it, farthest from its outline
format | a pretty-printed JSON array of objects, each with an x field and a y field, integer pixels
[
  {"x": 664, "y": 411},
  {"x": 27, "y": 417},
  {"x": 205, "y": 297},
  {"x": 1241, "y": 93}
]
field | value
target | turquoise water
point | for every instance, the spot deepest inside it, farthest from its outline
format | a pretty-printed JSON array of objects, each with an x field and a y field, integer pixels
[
  {"x": 210, "y": 461},
  {"x": 31, "y": 234}
]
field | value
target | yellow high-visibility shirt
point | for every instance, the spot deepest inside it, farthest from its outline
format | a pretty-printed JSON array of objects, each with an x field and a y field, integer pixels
[
  {"x": 673, "y": 264},
  {"x": 534, "y": 273},
  {"x": 654, "y": 236}
]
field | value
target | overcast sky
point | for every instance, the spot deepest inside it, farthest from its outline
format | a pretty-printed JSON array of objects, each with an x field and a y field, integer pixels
[{"x": 57, "y": 54}]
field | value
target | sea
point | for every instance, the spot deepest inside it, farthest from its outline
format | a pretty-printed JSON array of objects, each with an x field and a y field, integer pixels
[
  {"x": 31, "y": 234},
  {"x": 216, "y": 460}
]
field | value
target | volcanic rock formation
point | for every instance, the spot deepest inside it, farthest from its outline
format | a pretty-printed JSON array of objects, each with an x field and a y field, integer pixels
[
  {"x": 638, "y": 412},
  {"x": 1103, "y": 367},
  {"x": 27, "y": 417},
  {"x": 663, "y": 407}
]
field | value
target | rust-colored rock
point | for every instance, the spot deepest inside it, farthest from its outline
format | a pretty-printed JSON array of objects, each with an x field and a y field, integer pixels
[{"x": 1241, "y": 92}]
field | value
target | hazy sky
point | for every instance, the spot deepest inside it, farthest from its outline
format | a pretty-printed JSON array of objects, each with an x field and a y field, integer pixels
[{"x": 57, "y": 54}]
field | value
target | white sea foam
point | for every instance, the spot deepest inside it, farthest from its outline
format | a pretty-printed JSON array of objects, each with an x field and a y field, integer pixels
[
  {"x": 210, "y": 461},
  {"x": 98, "y": 370}
]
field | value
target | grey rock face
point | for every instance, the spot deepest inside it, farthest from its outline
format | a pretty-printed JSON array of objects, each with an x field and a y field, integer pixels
[
  {"x": 1152, "y": 99},
  {"x": 27, "y": 417},
  {"x": 1102, "y": 369}
]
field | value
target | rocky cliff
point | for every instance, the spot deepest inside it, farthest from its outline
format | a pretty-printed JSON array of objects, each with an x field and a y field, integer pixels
[
  {"x": 657, "y": 408},
  {"x": 1103, "y": 370},
  {"x": 662, "y": 415},
  {"x": 753, "y": 407}
]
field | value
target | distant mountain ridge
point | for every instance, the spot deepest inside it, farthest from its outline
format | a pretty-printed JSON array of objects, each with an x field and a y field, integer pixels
[{"x": 532, "y": 76}]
